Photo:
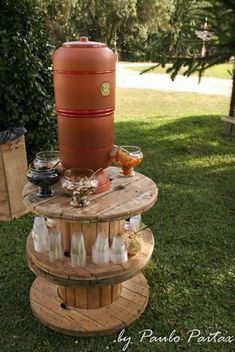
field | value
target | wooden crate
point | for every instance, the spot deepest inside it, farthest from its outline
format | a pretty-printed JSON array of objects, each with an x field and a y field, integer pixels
[{"x": 13, "y": 167}]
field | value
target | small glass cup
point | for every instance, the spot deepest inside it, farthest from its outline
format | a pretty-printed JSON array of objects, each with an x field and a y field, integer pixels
[{"x": 46, "y": 159}]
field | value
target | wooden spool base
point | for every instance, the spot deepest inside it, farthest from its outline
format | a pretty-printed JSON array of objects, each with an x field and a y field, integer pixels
[{"x": 48, "y": 307}]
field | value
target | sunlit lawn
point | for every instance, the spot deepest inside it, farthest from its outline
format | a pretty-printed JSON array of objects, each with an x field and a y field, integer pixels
[
  {"x": 217, "y": 71},
  {"x": 190, "y": 275}
]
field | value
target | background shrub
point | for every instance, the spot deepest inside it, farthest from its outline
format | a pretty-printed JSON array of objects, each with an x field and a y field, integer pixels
[{"x": 26, "y": 88}]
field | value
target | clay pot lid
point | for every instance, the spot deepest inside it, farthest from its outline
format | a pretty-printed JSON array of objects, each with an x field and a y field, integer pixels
[{"x": 83, "y": 43}]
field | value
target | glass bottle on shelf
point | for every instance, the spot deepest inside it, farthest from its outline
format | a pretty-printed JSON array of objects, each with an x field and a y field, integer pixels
[
  {"x": 40, "y": 234},
  {"x": 135, "y": 222},
  {"x": 78, "y": 250},
  {"x": 118, "y": 253},
  {"x": 127, "y": 224},
  {"x": 101, "y": 250},
  {"x": 56, "y": 250}
]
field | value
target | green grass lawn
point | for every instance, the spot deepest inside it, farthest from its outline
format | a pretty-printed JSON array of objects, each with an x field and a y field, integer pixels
[
  {"x": 190, "y": 275},
  {"x": 217, "y": 71}
]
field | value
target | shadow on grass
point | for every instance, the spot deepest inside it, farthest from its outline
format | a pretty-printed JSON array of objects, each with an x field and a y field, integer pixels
[
  {"x": 190, "y": 274},
  {"x": 193, "y": 166}
]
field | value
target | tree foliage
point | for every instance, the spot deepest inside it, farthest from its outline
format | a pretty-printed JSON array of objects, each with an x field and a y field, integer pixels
[
  {"x": 184, "y": 47},
  {"x": 122, "y": 24},
  {"x": 26, "y": 90}
]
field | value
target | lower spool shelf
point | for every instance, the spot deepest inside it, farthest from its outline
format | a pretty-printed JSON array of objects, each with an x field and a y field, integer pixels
[{"x": 49, "y": 308}]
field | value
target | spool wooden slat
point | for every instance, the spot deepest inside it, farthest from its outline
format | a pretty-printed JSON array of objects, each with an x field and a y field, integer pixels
[
  {"x": 103, "y": 228},
  {"x": 70, "y": 296},
  {"x": 116, "y": 290},
  {"x": 62, "y": 293},
  {"x": 106, "y": 295},
  {"x": 93, "y": 298},
  {"x": 64, "y": 227},
  {"x": 90, "y": 231},
  {"x": 81, "y": 298},
  {"x": 113, "y": 230}
]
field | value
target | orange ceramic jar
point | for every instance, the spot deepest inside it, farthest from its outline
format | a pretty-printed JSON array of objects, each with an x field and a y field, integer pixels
[{"x": 84, "y": 83}]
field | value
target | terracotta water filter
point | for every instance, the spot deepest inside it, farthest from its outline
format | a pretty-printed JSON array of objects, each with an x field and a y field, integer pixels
[{"x": 84, "y": 84}]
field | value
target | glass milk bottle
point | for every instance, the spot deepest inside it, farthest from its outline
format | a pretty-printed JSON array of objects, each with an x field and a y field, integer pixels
[
  {"x": 100, "y": 250},
  {"x": 56, "y": 250},
  {"x": 118, "y": 253},
  {"x": 40, "y": 234},
  {"x": 135, "y": 222},
  {"x": 78, "y": 250}
]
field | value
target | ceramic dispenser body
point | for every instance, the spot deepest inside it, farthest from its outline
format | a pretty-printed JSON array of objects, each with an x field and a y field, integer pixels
[{"x": 84, "y": 84}]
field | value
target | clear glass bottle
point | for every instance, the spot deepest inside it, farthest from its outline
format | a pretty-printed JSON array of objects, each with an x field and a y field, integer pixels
[
  {"x": 127, "y": 225},
  {"x": 78, "y": 250},
  {"x": 40, "y": 235},
  {"x": 118, "y": 253},
  {"x": 56, "y": 249},
  {"x": 101, "y": 250},
  {"x": 135, "y": 222}
]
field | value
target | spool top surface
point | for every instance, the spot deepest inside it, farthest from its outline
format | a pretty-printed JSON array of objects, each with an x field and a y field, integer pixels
[{"x": 126, "y": 197}]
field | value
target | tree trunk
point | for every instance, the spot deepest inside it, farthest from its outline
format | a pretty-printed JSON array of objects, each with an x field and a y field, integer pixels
[
  {"x": 232, "y": 101},
  {"x": 227, "y": 125}
]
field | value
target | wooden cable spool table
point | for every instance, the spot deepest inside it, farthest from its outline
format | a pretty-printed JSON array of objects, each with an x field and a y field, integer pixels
[{"x": 97, "y": 299}]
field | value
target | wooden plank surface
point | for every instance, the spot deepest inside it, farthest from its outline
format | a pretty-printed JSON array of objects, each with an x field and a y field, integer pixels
[
  {"x": 103, "y": 317},
  {"x": 142, "y": 290},
  {"x": 138, "y": 194},
  {"x": 229, "y": 119},
  {"x": 46, "y": 306},
  {"x": 5, "y": 209},
  {"x": 13, "y": 167}
]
